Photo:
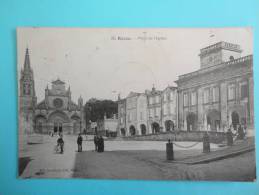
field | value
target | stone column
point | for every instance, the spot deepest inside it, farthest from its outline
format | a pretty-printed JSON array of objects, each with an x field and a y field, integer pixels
[
  {"x": 224, "y": 104},
  {"x": 251, "y": 102},
  {"x": 200, "y": 107}
]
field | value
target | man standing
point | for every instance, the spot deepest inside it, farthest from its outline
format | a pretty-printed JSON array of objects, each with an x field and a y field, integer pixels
[
  {"x": 96, "y": 142},
  {"x": 79, "y": 142},
  {"x": 101, "y": 144},
  {"x": 60, "y": 143}
]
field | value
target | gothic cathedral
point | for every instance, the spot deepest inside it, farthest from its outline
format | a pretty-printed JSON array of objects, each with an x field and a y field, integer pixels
[{"x": 55, "y": 113}]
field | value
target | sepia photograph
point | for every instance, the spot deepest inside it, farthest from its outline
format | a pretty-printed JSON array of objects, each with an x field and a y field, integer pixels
[{"x": 136, "y": 103}]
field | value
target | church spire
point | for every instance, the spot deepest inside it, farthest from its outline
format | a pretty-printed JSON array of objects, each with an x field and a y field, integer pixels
[{"x": 27, "y": 65}]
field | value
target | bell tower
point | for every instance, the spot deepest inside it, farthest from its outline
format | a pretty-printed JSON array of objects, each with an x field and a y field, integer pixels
[{"x": 27, "y": 97}]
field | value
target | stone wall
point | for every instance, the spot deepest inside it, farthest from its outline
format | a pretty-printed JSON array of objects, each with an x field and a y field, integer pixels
[{"x": 215, "y": 137}]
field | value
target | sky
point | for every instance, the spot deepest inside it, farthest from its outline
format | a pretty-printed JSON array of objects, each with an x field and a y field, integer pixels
[{"x": 104, "y": 62}]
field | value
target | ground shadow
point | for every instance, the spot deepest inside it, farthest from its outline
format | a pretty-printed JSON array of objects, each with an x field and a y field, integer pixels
[{"x": 23, "y": 162}]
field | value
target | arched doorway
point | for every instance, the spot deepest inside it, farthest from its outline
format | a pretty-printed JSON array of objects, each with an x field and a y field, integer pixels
[
  {"x": 235, "y": 119},
  {"x": 191, "y": 120},
  {"x": 123, "y": 132},
  {"x": 213, "y": 119},
  {"x": 143, "y": 129},
  {"x": 155, "y": 127},
  {"x": 40, "y": 124},
  {"x": 169, "y": 125},
  {"x": 58, "y": 119},
  {"x": 132, "y": 130},
  {"x": 58, "y": 127}
]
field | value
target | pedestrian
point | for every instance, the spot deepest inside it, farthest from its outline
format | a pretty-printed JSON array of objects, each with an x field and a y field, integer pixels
[
  {"x": 60, "y": 143},
  {"x": 79, "y": 142},
  {"x": 206, "y": 143},
  {"x": 101, "y": 144},
  {"x": 241, "y": 134},
  {"x": 99, "y": 147},
  {"x": 96, "y": 142},
  {"x": 229, "y": 137}
]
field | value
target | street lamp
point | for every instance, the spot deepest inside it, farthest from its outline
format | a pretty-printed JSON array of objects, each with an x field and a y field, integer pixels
[
  {"x": 80, "y": 126},
  {"x": 228, "y": 121}
]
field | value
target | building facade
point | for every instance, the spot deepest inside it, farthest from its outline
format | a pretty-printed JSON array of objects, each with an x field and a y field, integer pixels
[
  {"x": 146, "y": 113},
  {"x": 169, "y": 108},
  {"x": 107, "y": 124},
  {"x": 136, "y": 114},
  {"x": 154, "y": 110},
  {"x": 121, "y": 117},
  {"x": 56, "y": 113},
  {"x": 220, "y": 93}
]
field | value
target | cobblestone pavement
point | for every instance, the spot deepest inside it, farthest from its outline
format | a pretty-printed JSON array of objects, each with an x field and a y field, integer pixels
[{"x": 125, "y": 160}]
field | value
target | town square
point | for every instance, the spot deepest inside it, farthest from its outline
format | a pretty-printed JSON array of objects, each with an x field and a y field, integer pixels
[{"x": 125, "y": 108}]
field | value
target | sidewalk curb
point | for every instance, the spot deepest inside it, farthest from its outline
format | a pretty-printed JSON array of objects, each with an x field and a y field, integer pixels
[{"x": 217, "y": 157}]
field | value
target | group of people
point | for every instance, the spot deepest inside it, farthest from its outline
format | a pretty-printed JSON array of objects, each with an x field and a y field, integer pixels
[
  {"x": 239, "y": 134},
  {"x": 99, "y": 143}
]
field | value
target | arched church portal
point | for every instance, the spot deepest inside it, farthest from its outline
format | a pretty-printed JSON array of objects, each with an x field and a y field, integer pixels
[{"x": 58, "y": 119}]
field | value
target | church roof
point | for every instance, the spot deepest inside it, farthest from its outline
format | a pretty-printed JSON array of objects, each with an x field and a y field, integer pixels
[
  {"x": 58, "y": 82},
  {"x": 27, "y": 60},
  {"x": 41, "y": 105}
]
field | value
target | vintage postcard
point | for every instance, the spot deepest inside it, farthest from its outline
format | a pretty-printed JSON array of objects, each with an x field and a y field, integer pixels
[{"x": 132, "y": 103}]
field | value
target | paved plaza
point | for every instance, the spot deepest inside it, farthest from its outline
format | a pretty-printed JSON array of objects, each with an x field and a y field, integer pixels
[{"x": 129, "y": 160}]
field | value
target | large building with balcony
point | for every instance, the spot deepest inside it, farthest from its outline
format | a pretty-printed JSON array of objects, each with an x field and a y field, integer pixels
[
  {"x": 220, "y": 94},
  {"x": 55, "y": 113}
]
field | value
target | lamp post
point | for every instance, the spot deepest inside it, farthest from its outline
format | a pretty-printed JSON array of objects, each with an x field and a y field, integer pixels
[
  {"x": 80, "y": 126},
  {"x": 227, "y": 121}
]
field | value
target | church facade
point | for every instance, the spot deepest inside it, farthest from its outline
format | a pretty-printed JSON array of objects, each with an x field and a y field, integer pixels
[
  {"x": 220, "y": 94},
  {"x": 55, "y": 113}
]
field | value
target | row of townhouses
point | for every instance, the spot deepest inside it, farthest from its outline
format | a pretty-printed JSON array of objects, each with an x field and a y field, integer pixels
[{"x": 218, "y": 95}]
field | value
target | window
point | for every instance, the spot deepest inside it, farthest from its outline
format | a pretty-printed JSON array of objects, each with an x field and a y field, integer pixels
[
  {"x": 231, "y": 92},
  {"x": 157, "y": 111},
  {"x": 244, "y": 91},
  {"x": 171, "y": 108},
  {"x": 185, "y": 99},
  {"x": 215, "y": 94},
  {"x": 157, "y": 99},
  {"x": 151, "y": 113},
  {"x": 165, "y": 109},
  {"x": 129, "y": 117},
  {"x": 151, "y": 100},
  {"x": 141, "y": 103},
  {"x": 171, "y": 95},
  {"x": 193, "y": 98},
  {"x": 206, "y": 96},
  {"x": 141, "y": 115},
  {"x": 165, "y": 97}
]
